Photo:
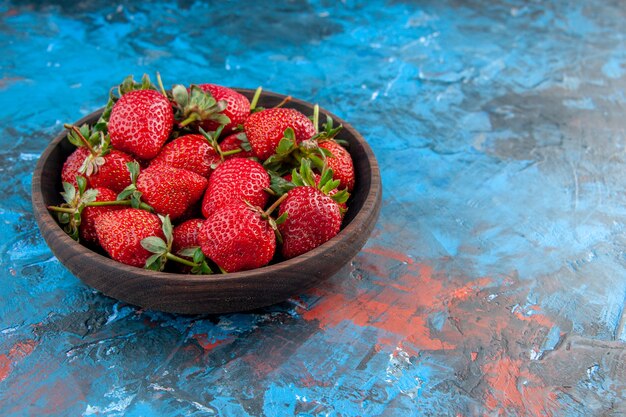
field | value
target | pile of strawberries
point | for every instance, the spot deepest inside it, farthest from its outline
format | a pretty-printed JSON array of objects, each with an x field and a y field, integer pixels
[{"x": 203, "y": 177}]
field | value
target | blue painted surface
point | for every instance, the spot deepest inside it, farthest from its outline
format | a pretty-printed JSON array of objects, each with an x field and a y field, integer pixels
[{"x": 495, "y": 280}]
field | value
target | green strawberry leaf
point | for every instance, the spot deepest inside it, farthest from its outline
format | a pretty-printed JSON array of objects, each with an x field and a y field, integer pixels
[
  {"x": 126, "y": 192},
  {"x": 279, "y": 185},
  {"x": 89, "y": 196},
  {"x": 188, "y": 252},
  {"x": 69, "y": 193},
  {"x": 180, "y": 94},
  {"x": 133, "y": 168},
  {"x": 154, "y": 262},
  {"x": 167, "y": 229},
  {"x": 82, "y": 184},
  {"x": 341, "y": 196},
  {"x": 245, "y": 144},
  {"x": 198, "y": 255},
  {"x": 135, "y": 199},
  {"x": 154, "y": 244},
  {"x": 281, "y": 219}
]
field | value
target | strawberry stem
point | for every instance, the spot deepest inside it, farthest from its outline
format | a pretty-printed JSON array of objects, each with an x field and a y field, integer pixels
[
  {"x": 316, "y": 118},
  {"x": 161, "y": 84},
  {"x": 190, "y": 119},
  {"x": 142, "y": 206},
  {"x": 282, "y": 103},
  {"x": 61, "y": 209},
  {"x": 180, "y": 260},
  {"x": 273, "y": 207},
  {"x": 255, "y": 98},
  {"x": 231, "y": 152},
  {"x": 81, "y": 137}
]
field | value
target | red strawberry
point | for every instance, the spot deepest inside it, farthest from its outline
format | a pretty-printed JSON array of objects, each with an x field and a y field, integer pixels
[
  {"x": 72, "y": 165},
  {"x": 88, "y": 216},
  {"x": 190, "y": 152},
  {"x": 186, "y": 235},
  {"x": 237, "y": 238},
  {"x": 170, "y": 190},
  {"x": 141, "y": 121},
  {"x": 233, "y": 181},
  {"x": 113, "y": 173},
  {"x": 120, "y": 233},
  {"x": 340, "y": 163},
  {"x": 237, "y": 107},
  {"x": 236, "y": 141},
  {"x": 266, "y": 128},
  {"x": 313, "y": 218}
]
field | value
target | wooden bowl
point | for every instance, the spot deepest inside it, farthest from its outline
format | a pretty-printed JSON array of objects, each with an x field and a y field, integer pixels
[{"x": 220, "y": 293}]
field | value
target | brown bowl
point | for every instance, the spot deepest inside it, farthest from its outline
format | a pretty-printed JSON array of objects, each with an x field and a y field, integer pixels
[{"x": 222, "y": 293}]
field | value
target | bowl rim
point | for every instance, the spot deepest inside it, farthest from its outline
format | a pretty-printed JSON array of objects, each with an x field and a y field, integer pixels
[{"x": 368, "y": 212}]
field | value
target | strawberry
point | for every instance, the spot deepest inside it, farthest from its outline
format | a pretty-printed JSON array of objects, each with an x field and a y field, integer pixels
[
  {"x": 237, "y": 107},
  {"x": 237, "y": 238},
  {"x": 120, "y": 234},
  {"x": 186, "y": 234},
  {"x": 170, "y": 191},
  {"x": 341, "y": 164},
  {"x": 140, "y": 122},
  {"x": 266, "y": 128},
  {"x": 72, "y": 165},
  {"x": 113, "y": 173},
  {"x": 313, "y": 218},
  {"x": 90, "y": 214},
  {"x": 235, "y": 180},
  {"x": 190, "y": 152},
  {"x": 101, "y": 166}
]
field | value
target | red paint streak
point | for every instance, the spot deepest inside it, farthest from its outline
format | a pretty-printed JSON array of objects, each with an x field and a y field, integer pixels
[
  {"x": 401, "y": 310},
  {"x": 474, "y": 356},
  {"x": 18, "y": 352},
  {"x": 209, "y": 345},
  {"x": 537, "y": 318},
  {"x": 12, "y": 12},
  {"x": 512, "y": 386},
  {"x": 5, "y": 367},
  {"x": 470, "y": 289},
  {"x": 390, "y": 254}
]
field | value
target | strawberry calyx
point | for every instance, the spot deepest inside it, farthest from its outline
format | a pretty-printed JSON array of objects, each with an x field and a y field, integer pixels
[
  {"x": 267, "y": 215},
  {"x": 162, "y": 251},
  {"x": 131, "y": 194},
  {"x": 211, "y": 137},
  {"x": 98, "y": 145},
  {"x": 69, "y": 213},
  {"x": 196, "y": 105},
  {"x": 326, "y": 184}
]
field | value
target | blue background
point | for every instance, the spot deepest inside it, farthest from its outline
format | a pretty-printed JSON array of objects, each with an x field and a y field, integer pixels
[{"x": 494, "y": 282}]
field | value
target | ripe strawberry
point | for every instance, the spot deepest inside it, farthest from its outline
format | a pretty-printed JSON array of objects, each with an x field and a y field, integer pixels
[
  {"x": 313, "y": 218},
  {"x": 340, "y": 163},
  {"x": 140, "y": 122},
  {"x": 120, "y": 233},
  {"x": 236, "y": 180},
  {"x": 170, "y": 190},
  {"x": 237, "y": 141},
  {"x": 186, "y": 234},
  {"x": 237, "y": 107},
  {"x": 190, "y": 152},
  {"x": 266, "y": 128},
  {"x": 88, "y": 216},
  {"x": 237, "y": 238},
  {"x": 72, "y": 165},
  {"x": 113, "y": 173}
]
